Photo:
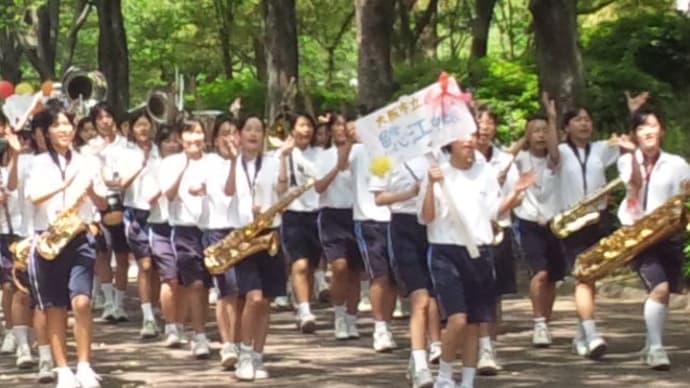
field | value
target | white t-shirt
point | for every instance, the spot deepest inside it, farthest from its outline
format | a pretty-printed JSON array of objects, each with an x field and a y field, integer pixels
[
  {"x": 185, "y": 209},
  {"x": 13, "y": 206},
  {"x": 665, "y": 180},
  {"x": 499, "y": 162},
  {"x": 338, "y": 195},
  {"x": 135, "y": 195},
  {"x": 301, "y": 165},
  {"x": 571, "y": 184},
  {"x": 364, "y": 206},
  {"x": 401, "y": 178},
  {"x": 256, "y": 188},
  {"x": 48, "y": 175},
  {"x": 217, "y": 206},
  {"x": 113, "y": 156},
  {"x": 540, "y": 202},
  {"x": 24, "y": 169},
  {"x": 152, "y": 187},
  {"x": 478, "y": 198}
]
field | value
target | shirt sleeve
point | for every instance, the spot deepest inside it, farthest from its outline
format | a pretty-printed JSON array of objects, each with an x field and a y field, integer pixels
[
  {"x": 493, "y": 196},
  {"x": 170, "y": 170},
  {"x": 440, "y": 210},
  {"x": 609, "y": 152},
  {"x": 377, "y": 183},
  {"x": 326, "y": 161},
  {"x": 624, "y": 165}
]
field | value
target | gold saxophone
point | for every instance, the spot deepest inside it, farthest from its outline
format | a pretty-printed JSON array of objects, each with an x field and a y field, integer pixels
[
  {"x": 582, "y": 213},
  {"x": 624, "y": 244},
  {"x": 247, "y": 240}
]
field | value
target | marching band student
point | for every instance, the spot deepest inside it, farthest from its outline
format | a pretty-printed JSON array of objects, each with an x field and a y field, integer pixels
[
  {"x": 504, "y": 260},
  {"x": 9, "y": 343},
  {"x": 217, "y": 221},
  {"x": 159, "y": 233},
  {"x": 408, "y": 246},
  {"x": 541, "y": 247},
  {"x": 298, "y": 230},
  {"x": 652, "y": 177},
  {"x": 182, "y": 183},
  {"x": 323, "y": 140},
  {"x": 336, "y": 231},
  {"x": 111, "y": 148},
  {"x": 371, "y": 229},
  {"x": 142, "y": 152},
  {"x": 260, "y": 277},
  {"x": 465, "y": 287},
  {"x": 67, "y": 179}
]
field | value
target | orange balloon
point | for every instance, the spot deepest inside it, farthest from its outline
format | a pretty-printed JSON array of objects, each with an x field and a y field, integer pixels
[{"x": 47, "y": 88}]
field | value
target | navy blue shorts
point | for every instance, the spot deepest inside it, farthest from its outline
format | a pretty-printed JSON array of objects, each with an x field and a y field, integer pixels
[
  {"x": 464, "y": 285},
  {"x": 337, "y": 235},
  {"x": 299, "y": 237},
  {"x": 55, "y": 283},
  {"x": 264, "y": 272},
  {"x": 584, "y": 238},
  {"x": 504, "y": 264},
  {"x": 137, "y": 232},
  {"x": 112, "y": 237},
  {"x": 6, "y": 260},
  {"x": 542, "y": 250},
  {"x": 408, "y": 249},
  {"x": 372, "y": 239},
  {"x": 189, "y": 256},
  {"x": 162, "y": 252},
  {"x": 227, "y": 282},
  {"x": 662, "y": 262}
]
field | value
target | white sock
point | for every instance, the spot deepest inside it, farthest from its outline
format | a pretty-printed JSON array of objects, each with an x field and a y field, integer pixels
[
  {"x": 419, "y": 357},
  {"x": 200, "y": 337},
  {"x": 108, "y": 293},
  {"x": 119, "y": 298},
  {"x": 445, "y": 370},
  {"x": 364, "y": 289},
  {"x": 380, "y": 326},
  {"x": 170, "y": 328},
  {"x": 21, "y": 334},
  {"x": 654, "y": 318},
  {"x": 64, "y": 372},
  {"x": 258, "y": 356},
  {"x": 96, "y": 286},
  {"x": 246, "y": 349},
  {"x": 44, "y": 353},
  {"x": 468, "y": 377},
  {"x": 351, "y": 319},
  {"x": 83, "y": 366},
  {"x": 580, "y": 331},
  {"x": 303, "y": 309},
  {"x": 147, "y": 311},
  {"x": 485, "y": 343},
  {"x": 339, "y": 311},
  {"x": 538, "y": 321},
  {"x": 590, "y": 329},
  {"x": 319, "y": 277}
]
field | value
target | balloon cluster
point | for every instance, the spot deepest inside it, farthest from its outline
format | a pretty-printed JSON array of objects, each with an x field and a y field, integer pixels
[{"x": 7, "y": 89}]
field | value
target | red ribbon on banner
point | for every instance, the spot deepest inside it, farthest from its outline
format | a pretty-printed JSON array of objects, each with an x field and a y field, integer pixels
[{"x": 448, "y": 94}]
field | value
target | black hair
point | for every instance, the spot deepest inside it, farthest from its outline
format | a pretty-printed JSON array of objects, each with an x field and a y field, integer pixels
[
  {"x": 164, "y": 133},
  {"x": 571, "y": 114},
  {"x": 485, "y": 109},
  {"x": 243, "y": 121},
  {"x": 135, "y": 116},
  {"x": 329, "y": 133},
  {"x": 188, "y": 125},
  {"x": 3, "y": 119},
  {"x": 640, "y": 116},
  {"x": 536, "y": 116},
  {"x": 51, "y": 114},
  {"x": 219, "y": 123},
  {"x": 80, "y": 127},
  {"x": 294, "y": 118},
  {"x": 101, "y": 107}
]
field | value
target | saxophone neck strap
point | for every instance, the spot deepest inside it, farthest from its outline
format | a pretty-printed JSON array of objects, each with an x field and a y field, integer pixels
[
  {"x": 251, "y": 182},
  {"x": 582, "y": 162}
]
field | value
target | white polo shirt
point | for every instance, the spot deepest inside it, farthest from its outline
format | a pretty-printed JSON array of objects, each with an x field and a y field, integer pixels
[
  {"x": 583, "y": 171},
  {"x": 254, "y": 188},
  {"x": 499, "y": 162},
  {"x": 364, "y": 206},
  {"x": 665, "y": 180},
  {"x": 478, "y": 196},
  {"x": 338, "y": 195},
  {"x": 402, "y": 177},
  {"x": 12, "y": 210},
  {"x": 152, "y": 187},
  {"x": 135, "y": 195},
  {"x": 540, "y": 202},
  {"x": 301, "y": 165},
  {"x": 185, "y": 209},
  {"x": 24, "y": 169},
  {"x": 48, "y": 175},
  {"x": 217, "y": 212}
]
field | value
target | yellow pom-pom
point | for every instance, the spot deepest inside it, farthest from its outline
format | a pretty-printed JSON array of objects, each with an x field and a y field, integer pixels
[{"x": 380, "y": 166}]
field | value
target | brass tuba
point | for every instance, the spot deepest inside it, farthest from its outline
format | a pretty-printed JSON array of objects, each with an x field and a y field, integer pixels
[
  {"x": 247, "y": 240},
  {"x": 83, "y": 89},
  {"x": 160, "y": 105},
  {"x": 616, "y": 250},
  {"x": 582, "y": 213}
]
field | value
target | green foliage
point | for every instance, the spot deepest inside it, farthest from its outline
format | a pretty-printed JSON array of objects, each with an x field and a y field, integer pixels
[
  {"x": 686, "y": 266},
  {"x": 219, "y": 93}
]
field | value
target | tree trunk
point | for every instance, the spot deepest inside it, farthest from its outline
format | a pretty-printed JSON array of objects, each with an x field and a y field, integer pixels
[
  {"x": 41, "y": 49},
  {"x": 10, "y": 56},
  {"x": 113, "y": 57},
  {"x": 281, "y": 52},
  {"x": 558, "y": 57},
  {"x": 481, "y": 26},
  {"x": 374, "y": 72},
  {"x": 225, "y": 13},
  {"x": 260, "y": 58},
  {"x": 82, "y": 9}
]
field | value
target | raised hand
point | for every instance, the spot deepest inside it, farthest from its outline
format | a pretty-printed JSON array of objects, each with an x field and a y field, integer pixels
[
  {"x": 287, "y": 146},
  {"x": 549, "y": 105},
  {"x": 636, "y": 102},
  {"x": 231, "y": 144},
  {"x": 13, "y": 141},
  {"x": 435, "y": 174},
  {"x": 623, "y": 141},
  {"x": 344, "y": 156},
  {"x": 235, "y": 107}
]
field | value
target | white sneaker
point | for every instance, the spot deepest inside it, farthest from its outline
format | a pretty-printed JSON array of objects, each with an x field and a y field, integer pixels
[
  {"x": 434, "y": 353},
  {"x": 108, "y": 314},
  {"x": 322, "y": 290},
  {"x": 213, "y": 295},
  {"x": 657, "y": 359},
  {"x": 45, "y": 371},
  {"x": 364, "y": 304},
  {"x": 97, "y": 301},
  {"x": 340, "y": 328},
  {"x": 67, "y": 379},
  {"x": 422, "y": 379},
  {"x": 200, "y": 348},
  {"x": 229, "y": 355},
  {"x": 352, "y": 332},
  {"x": 245, "y": 367},
  {"x": 580, "y": 347},
  {"x": 24, "y": 359},
  {"x": 307, "y": 323},
  {"x": 87, "y": 378},
  {"x": 149, "y": 330},
  {"x": 172, "y": 340},
  {"x": 444, "y": 383},
  {"x": 119, "y": 314},
  {"x": 383, "y": 341},
  {"x": 596, "y": 348},
  {"x": 398, "y": 312},
  {"x": 260, "y": 372},
  {"x": 9, "y": 343},
  {"x": 487, "y": 363},
  {"x": 281, "y": 303},
  {"x": 541, "y": 338}
]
